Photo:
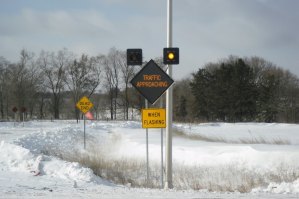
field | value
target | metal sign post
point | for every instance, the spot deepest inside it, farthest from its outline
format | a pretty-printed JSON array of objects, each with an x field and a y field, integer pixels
[
  {"x": 168, "y": 150},
  {"x": 23, "y": 110},
  {"x": 147, "y": 155},
  {"x": 84, "y": 105},
  {"x": 162, "y": 170},
  {"x": 84, "y": 132},
  {"x": 15, "y": 109},
  {"x": 154, "y": 118}
]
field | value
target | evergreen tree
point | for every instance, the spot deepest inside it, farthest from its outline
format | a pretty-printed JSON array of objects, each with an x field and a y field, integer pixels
[
  {"x": 183, "y": 108},
  {"x": 227, "y": 93},
  {"x": 201, "y": 88}
]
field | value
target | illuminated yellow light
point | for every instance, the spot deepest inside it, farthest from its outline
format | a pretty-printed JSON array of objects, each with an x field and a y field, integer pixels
[{"x": 170, "y": 55}]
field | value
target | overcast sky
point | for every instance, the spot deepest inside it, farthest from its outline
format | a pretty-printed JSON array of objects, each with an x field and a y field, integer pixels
[{"x": 204, "y": 30}]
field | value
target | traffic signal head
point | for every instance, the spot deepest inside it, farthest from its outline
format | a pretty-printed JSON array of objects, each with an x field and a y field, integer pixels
[
  {"x": 134, "y": 56},
  {"x": 171, "y": 56}
]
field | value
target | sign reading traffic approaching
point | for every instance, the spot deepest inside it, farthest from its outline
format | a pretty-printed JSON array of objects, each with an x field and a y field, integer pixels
[
  {"x": 151, "y": 81},
  {"x": 84, "y": 104},
  {"x": 153, "y": 118}
]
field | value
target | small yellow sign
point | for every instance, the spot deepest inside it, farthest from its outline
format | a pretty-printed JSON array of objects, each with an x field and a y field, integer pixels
[
  {"x": 153, "y": 118},
  {"x": 84, "y": 104}
]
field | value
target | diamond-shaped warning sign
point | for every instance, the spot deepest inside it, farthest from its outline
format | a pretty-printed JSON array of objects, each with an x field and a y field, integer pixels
[
  {"x": 84, "y": 104},
  {"x": 151, "y": 81}
]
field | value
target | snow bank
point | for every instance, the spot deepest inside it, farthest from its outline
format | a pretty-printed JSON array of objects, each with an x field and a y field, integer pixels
[
  {"x": 62, "y": 139},
  {"x": 18, "y": 159},
  {"x": 280, "y": 188},
  {"x": 238, "y": 132},
  {"x": 32, "y": 149}
]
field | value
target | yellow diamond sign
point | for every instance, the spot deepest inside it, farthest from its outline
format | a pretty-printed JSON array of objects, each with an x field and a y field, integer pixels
[{"x": 84, "y": 104}]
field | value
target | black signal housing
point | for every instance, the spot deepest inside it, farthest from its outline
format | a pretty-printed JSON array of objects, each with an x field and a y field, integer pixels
[
  {"x": 134, "y": 56},
  {"x": 171, "y": 56}
]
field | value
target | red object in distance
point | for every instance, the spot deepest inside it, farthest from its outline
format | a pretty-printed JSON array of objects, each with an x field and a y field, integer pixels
[{"x": 89, "y": 116}]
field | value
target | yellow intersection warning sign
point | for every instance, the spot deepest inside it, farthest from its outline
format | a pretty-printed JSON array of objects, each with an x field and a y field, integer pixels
[
  {"x": 153, "y": 118},
  {"x": 84, "y": 104}
]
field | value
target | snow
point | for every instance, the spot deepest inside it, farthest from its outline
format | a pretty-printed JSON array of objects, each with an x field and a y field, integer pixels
[{"x": 31, "y": 164}]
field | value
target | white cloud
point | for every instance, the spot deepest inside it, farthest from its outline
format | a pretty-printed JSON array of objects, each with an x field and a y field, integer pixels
[
  {"x": 36, "y": 30},
  {"x": 204, "y": 30}
]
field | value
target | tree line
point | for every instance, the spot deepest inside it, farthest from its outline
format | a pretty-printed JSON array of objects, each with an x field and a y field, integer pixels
[
  {"x": 239, "y": 90},
  {"x": 50, "y": 84},
  {"x": 234, "y": 89}
]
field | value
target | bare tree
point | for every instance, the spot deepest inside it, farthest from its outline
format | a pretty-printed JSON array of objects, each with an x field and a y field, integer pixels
[
  {"x": 127, "y": 73},
  {"x": 112, "y": 69},
  {"x": 21, "y": 86},
  {"x": 4, "y": 87},
  {"x": 35, "y": 86},
  {"x": 83, "y": 77},
  {"x": 54, "y": 66},
  {"x": 109, "y": 82},
  {"x": 44, "y": 62}
]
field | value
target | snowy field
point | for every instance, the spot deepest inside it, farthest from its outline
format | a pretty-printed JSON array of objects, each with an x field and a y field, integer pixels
[{"x": 212, "y": 160}]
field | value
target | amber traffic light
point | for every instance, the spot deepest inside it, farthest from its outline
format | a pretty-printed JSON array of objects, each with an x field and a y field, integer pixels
[
  {"x": 134, "y": 56},
  {"x": 171, "y": 56}
]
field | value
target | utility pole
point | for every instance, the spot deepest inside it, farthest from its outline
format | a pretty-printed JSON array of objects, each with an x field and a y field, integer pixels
[{"x": 168, "y": 151}]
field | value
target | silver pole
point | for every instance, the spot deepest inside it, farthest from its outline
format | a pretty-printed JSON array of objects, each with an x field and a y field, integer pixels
[
  {"x": 15, "y": 119},
  {"x": 162, "y": 172},
  {"x": 147, "y": 156},
  {"x": 168, "y": 150},
  {"x": 84, "y": 132}
]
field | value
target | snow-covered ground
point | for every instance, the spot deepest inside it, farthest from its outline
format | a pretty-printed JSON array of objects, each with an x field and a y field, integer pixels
[{"x": 216, "y": 155}]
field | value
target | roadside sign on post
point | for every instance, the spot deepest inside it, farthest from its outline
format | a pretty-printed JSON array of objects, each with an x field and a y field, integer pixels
[
  {"x": 84, "y": 104},
  {"x": 153, "y": 118},
  {"x": 14, "y": 109},
  {"x": 151, "y": 81}
]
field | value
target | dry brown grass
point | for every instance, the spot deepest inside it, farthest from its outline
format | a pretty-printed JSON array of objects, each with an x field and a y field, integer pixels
[
  {"x": 132, "y": 172},
  {"x": 221, "y": 178}
]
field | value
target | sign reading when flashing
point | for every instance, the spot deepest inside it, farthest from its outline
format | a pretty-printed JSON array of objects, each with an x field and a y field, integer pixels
[
  {"x": 151, "y": 81},
  {"x": 153, "y": 118}
]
